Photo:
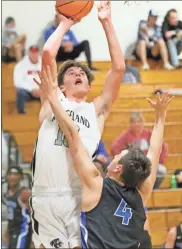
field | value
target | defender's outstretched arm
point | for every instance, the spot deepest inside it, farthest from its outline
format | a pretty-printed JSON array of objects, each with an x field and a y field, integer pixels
[{"x": 156, "y": 142}]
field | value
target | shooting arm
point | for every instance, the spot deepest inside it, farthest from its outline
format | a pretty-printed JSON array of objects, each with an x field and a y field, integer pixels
[
  {"x": 83, "y": 165},
  {"x": 50, "y": 50},
  {"x": 114, "y": 77}
]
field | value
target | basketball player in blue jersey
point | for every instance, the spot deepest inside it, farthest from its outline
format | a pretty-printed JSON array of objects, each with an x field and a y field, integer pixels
[
  {"x": 113, "y": 213},
  {"x": 19, "y": 232},
  {"x": 56, "y": 192}
]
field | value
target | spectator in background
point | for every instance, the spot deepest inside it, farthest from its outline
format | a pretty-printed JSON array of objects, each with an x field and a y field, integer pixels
[
  {"x": 4, "y": 154},
  {"x": 131, "y": 75},
  {"x": 13, "y": 45},
  {"x": 19, "y": 230},
  {"x": 174, "y": 238},
  {"x": 172, "y": 33},
  {"x": 139, "y": 137},
  {"x": 70, "y": 48},
  {"x": 24, "y": 72},
  {"x": 178, "y": 174},
  {"x": 150, "y": 42}
]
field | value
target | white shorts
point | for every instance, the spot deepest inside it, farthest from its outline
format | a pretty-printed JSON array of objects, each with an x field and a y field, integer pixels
[{"x": 56, "y": 219}]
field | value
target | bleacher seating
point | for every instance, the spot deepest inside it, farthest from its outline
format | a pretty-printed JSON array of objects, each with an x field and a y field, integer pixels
[
  {"x": 132, "y": 97},
  {"x": 160, "y": 222}
]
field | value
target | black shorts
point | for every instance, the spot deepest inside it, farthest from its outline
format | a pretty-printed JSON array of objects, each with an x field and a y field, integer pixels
[
  {"x": 19, "y": 239},
  {"x": 145, "y": 242},
  {"x": 149, "y": 55}
]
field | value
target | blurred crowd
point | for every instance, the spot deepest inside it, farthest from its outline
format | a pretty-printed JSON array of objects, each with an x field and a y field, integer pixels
[{"x": 153, "y": 42}]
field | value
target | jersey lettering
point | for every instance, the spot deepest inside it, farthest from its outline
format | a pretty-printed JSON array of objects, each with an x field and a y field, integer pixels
[
  {"x": 61, "y": 139},
  {"x": 124, "y": 212}
]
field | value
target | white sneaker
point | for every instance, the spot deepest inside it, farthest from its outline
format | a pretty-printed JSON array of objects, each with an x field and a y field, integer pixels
[
  {"x": 145, "y": 66},
  {"x": 168, "y": 66}
]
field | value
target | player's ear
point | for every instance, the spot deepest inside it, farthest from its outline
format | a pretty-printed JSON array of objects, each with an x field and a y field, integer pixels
[
  {"x": 62, "y": 88},
  {"x": 118, "y": 169},
  {"x": 89, "y": 88}
]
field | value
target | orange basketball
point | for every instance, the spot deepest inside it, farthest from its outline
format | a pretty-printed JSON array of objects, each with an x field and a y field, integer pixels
[{"x": 74, "y": 9}]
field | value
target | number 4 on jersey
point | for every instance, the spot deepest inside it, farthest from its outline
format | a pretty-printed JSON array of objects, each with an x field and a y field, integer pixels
[{"x": 124, "y": 212}]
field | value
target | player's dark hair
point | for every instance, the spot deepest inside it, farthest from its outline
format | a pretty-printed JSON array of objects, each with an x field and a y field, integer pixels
[
  {"x": 70, "y": 63},
  {"x": 136, "y": 167},
  {"x": 9, "y": 20}
]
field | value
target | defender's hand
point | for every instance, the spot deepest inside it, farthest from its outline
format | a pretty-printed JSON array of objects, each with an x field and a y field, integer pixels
[
  {"x": 161, "y": 104},
  {"x": 104, "y": 11},
  {"x": 47, "y": 86}
]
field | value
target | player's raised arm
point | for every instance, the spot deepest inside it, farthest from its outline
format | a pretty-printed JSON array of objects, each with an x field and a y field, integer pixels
[
  {"x": 114, "y": 77},
  {"x": 156, "y": 142},
  {"x": 49, "y": 53},
  {"x": 83, "y": 165}
]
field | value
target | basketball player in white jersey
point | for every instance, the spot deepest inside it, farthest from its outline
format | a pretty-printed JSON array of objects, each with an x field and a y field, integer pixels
[{"x": 56, "y": 192}]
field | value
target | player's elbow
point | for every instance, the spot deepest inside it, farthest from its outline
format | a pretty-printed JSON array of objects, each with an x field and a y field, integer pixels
[
  {"x": 47, "y": 56},
  {"x": 119, "y": 67}
]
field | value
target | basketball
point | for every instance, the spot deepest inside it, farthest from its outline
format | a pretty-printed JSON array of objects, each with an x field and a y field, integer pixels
[{"x": 74, "y": 9}]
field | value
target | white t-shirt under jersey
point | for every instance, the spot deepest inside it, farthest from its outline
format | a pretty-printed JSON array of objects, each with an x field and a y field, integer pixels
[{"x": 53, "y": 163}]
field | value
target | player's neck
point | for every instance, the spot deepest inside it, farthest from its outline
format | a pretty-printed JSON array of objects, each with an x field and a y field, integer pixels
[
  {"x": 78, "y": 98},
  {"x": 117, "y": 180}
]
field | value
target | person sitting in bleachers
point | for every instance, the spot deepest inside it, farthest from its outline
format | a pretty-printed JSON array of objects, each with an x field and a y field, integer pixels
[
  {"x": 70, "y": 48},
  {"x": 13, "y": 45},
  {"x": 24, "y": 72},
  {"x": 139, "y": 137},
  {"x": 178, "y": 174},
  {"x": 172, "y": 34},
  {"x": 150, "y": 43}
]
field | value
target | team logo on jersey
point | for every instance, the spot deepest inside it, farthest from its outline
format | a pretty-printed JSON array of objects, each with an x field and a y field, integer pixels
[{"x": 56, "y": 243}]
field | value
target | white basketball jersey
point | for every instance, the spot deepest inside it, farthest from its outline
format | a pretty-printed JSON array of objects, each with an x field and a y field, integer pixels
[{"x": 52, "y": 164}]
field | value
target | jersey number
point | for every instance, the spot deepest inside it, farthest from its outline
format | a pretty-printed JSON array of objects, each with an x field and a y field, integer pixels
[
  {"x": 124, "y": 212},
  {"x": 61, "y": 139}
]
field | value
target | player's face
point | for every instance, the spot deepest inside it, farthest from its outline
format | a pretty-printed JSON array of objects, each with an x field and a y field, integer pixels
[
  {"x": 14, "y": 179},
  {"x": 114, "y": 166},
  {"x": 173, "y": 18},
  {"x": 136, "y": 125},
  {"x": 75, "y": 83}
]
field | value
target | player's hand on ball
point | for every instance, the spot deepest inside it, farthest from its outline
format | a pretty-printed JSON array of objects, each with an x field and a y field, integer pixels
[
  {"x": 47, "y": 86},
  {"x": 162, "y": 102},
  {"x": 104, "y": 10},
  {"x": 68, "y": 22}
]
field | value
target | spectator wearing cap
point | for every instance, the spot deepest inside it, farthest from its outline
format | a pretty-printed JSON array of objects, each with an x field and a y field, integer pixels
[
  {"x": 70, "y": 48},
  {"x": 139, "y": 137},
  {"x": 24, "y": 72},
  {"x": 13, "y": 45},
  {"x": 172, "y": 34},
  {"x": 150, "y": 43}
]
